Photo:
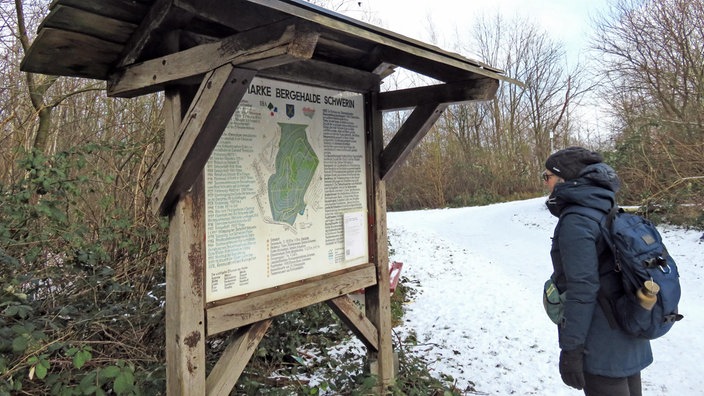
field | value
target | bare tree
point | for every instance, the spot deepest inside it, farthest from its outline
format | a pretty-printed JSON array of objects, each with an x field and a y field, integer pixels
[
  {"x": 521, "y": 125},
  {"x": 37, "y": 85},
  {"x": 42, "y": 90},
  {"x": 495, "y": 150},
  {"x": 652, "y": 53}
]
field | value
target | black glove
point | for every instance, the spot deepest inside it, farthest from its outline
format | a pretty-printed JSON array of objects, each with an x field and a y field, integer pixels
[{"x": 571, "y": 367}]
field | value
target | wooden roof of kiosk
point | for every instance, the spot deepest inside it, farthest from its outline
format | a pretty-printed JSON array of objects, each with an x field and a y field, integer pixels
[{"x": 202, "y": 54}]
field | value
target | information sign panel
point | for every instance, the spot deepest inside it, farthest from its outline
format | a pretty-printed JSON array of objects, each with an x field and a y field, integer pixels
[{"x": 286, "y": 194}]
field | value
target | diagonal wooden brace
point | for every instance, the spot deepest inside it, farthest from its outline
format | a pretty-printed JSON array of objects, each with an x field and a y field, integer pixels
[{"x": 199, "y": 132}]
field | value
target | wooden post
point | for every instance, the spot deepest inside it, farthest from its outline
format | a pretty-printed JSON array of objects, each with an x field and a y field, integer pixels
[
  {"x": 378, "y": 298},
  {"x": 185, "y": 321}
]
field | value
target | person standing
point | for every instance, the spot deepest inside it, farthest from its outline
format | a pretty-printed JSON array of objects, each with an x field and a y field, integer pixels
[{"x": 594, "y": 356}]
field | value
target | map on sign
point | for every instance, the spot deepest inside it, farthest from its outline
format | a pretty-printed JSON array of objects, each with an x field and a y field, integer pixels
[
  {"x": 296, "y": 164},
  {"x": 285, "y": 189}
]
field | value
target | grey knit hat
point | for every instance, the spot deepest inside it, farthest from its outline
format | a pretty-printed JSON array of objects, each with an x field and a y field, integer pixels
[{"x": 568, "y": 163}]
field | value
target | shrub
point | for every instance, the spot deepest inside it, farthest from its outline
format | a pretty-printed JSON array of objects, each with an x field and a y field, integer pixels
[{"x": 81, "y": 296}]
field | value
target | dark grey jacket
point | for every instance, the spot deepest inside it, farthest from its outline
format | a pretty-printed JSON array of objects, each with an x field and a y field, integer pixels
[{"x": 577, "y": 251}]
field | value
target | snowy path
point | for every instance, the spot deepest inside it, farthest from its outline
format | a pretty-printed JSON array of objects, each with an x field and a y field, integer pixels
[{"x": 478, "y": 313}]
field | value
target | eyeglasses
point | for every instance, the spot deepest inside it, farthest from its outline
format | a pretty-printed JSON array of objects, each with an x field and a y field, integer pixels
[{"x": 546, "y": 176}]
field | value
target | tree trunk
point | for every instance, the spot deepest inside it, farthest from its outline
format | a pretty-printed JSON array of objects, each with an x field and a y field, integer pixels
[{"x": 37, "y": 90}]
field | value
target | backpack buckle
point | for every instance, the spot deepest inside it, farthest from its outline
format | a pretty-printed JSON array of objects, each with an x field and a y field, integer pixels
[
  {"x": 658, "y": 262},
  {"x": 665, "y": 269}
]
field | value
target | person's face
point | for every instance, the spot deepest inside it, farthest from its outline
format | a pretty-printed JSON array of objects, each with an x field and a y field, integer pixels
[{"x": 550, "y": 180}]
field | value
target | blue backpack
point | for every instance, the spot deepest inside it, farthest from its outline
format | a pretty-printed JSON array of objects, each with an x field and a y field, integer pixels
[{"x": 640, "y": 256}]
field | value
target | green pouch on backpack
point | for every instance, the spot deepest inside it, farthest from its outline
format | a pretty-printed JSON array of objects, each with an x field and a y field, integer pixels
[{"x": 553, "y": 301}]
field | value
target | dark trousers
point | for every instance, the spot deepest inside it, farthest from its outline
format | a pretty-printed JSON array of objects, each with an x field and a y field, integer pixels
[{"x": 596, "y": 385}]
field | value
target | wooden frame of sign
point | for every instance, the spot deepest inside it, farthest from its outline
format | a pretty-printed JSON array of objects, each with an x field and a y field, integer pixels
[{"x": 190, "y": 318}]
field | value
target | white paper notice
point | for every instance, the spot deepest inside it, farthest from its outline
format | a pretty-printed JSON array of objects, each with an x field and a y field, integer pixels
[{"x": 355, "y": 235}]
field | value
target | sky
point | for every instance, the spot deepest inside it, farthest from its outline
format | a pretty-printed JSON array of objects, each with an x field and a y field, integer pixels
[{"x": 478, "y": 274}]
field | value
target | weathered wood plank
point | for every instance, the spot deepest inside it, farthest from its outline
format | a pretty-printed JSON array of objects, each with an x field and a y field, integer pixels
[
  {"x": 227, "y": 370},
  {"x": 158, "y": 12},
  {"x": 411, "y": 132},
  {"x": 91, "y": 24},
  {"x": 354, "y": 318},
  {"x": 463, "y": 91},
  {"x": 81, "y": 55},
  {"x": 175, "y": 104},
  {"x": 203, "y": 124},
  {"x": 403, "y": 49},
  {"x": 434, "y": 61},
  {"x": 377, "y": 298},
  {"x": 185, "y": 300},
  {"x": 123, "y": 10},
  {"x": 260, "y": 48},
  {"x": 269, "y": 303},
  {"x": 321, "y": 74},
  {"x": 240, "y": 15}
]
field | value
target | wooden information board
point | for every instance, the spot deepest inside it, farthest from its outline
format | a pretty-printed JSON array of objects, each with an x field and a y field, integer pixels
[{"x": 286, "y": 190}]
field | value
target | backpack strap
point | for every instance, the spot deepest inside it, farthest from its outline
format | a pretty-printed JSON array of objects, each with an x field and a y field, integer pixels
[{"x": 605, "y": 221}]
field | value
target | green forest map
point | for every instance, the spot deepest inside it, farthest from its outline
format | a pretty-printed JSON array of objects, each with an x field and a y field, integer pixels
[{"x": 296, "y": 163}]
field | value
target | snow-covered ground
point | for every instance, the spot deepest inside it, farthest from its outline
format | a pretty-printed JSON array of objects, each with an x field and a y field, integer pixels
[{"x": 478, "y": 312}]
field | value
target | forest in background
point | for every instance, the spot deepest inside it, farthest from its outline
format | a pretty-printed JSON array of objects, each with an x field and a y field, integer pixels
[{"x": 82, "y": 255}]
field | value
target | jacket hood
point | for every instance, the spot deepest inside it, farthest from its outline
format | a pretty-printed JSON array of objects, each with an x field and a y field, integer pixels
[{"x": 596, "y": 187}]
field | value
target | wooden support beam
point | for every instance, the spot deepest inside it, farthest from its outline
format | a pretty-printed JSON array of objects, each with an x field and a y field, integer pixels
[
  {"x": 185, "y": 299},
  {"x": 228, "y": 369},
  {"x": 456, "y": 92},
  {"x": 173, "y": 115},
  {"x": 354, "y": 318},
  {"x": 158, "y": 12},
  {"x": 260, "y": 48},
  {"x": 377, "y": 297},
  {"x": 199, "y": 132},
  {"x": 269, "y": 303},
  {"x": 408, "y": 136},
  {"x": 332, "y": 76},
  {"x": 177, "y": 99}
]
